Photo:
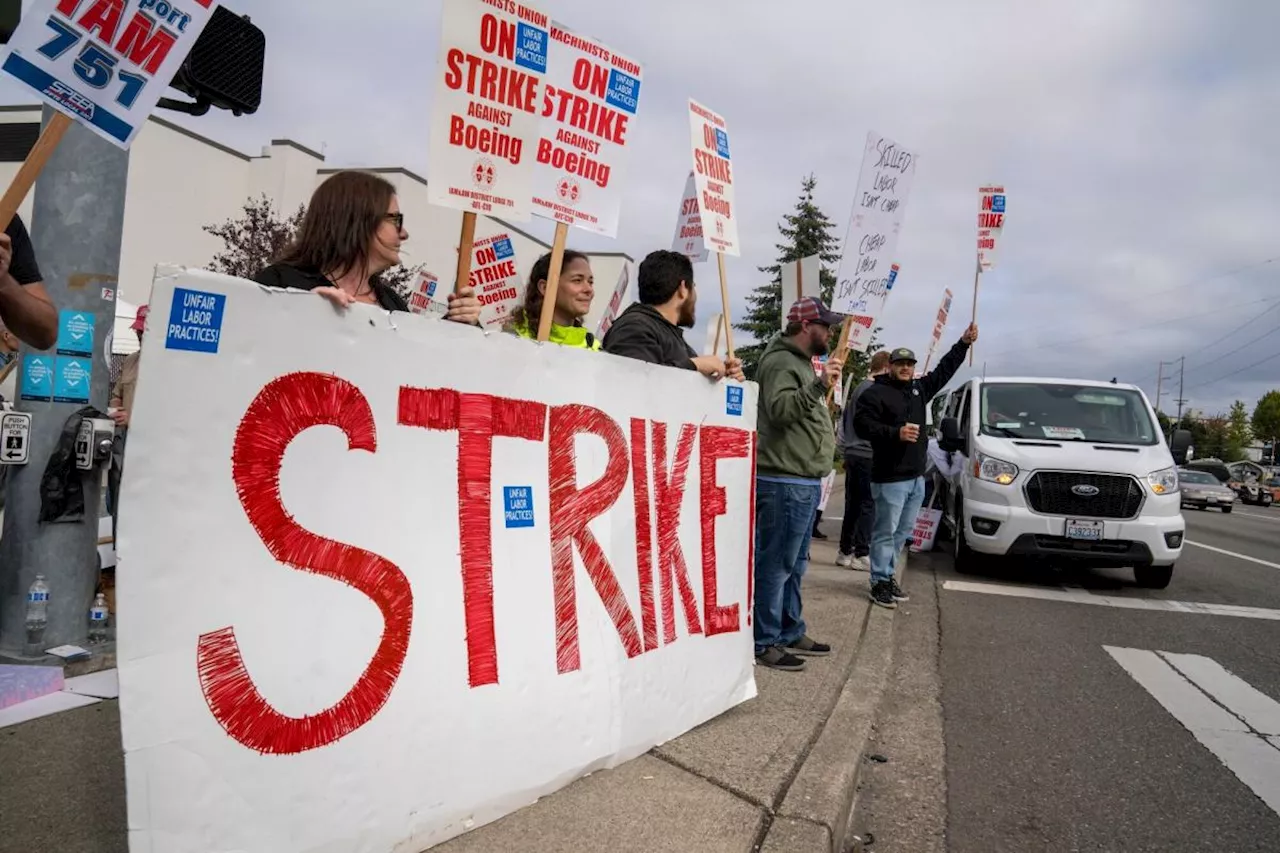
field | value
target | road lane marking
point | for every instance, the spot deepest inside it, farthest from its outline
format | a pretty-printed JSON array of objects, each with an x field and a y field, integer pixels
[
  {"x": 1258, "y": 710},
  {"x": 1079, "y": 596},
  {"x": 1255, "y": 515},
  {"x": 1232, "y": 554},
  {"x": 1253, "y": 758}
]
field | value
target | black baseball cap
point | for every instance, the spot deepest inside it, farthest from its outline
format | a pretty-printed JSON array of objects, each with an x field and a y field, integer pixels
[{"x": 902, "y": 354}]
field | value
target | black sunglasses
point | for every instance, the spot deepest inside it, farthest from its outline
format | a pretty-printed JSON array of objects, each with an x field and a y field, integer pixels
[{"x": 397, "y": 219}]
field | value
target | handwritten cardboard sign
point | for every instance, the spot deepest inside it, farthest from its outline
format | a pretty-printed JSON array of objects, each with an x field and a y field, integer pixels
[
  {"x": 489, "y": 92},
  {"x": 428, "y": 592},
  {"x": 867, "y": 273},
  {"x": 991, "y": 215},
  {"x": 588, "y": 124},
  {"x": 713, "y": 177},
  {"x": 105, "y": 63}
]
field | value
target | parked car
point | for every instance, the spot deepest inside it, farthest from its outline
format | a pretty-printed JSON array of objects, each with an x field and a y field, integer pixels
[
  {"x": 1201, "y": 490},
  {"x": 1274, "y": 485},
  {"x": 1254, "y": 493},
  {"x": 1063, "y": 469},
  {"x": 1238, "y": 478}
]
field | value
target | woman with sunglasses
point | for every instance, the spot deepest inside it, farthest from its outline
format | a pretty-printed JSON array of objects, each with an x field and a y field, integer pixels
[{"x": 351, "y": 233}]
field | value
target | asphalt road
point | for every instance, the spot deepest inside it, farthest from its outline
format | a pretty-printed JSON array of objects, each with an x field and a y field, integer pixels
[{"x": 1053, "y": 742}]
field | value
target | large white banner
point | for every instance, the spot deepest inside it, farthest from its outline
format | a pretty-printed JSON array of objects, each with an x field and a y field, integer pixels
[
  {"x": 867, "y": 273},
  {"x": 103, "y": 63},
  {"x": 688, "y": 240},
  {"x": 489, "y": 93},
  {"x": 991, "y": 213},
  {"x": 588, "y": 115},
  {"x": 713, "y": 176},
  {"x": 373, "y": 593}
]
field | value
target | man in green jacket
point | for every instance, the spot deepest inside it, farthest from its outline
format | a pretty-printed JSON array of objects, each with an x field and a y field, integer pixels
[{"x": 797, "y": 445}]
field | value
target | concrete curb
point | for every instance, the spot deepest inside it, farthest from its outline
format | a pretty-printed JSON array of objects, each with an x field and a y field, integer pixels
[{"x": 816, "y": 812}]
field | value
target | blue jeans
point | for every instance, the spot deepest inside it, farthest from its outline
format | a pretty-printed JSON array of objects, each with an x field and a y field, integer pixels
[
  {"x": 784, "y": 524},
  {"x": 896, "y": 507}
]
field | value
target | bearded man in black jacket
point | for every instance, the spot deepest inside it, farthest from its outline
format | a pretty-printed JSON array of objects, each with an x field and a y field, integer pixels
[{"x": 891, "y": 415}]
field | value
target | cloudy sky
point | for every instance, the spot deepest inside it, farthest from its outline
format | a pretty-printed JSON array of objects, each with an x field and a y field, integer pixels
[{"x": 1139, "y": 141}]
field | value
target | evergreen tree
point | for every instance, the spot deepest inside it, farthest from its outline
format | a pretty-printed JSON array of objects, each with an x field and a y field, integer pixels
[
  {"x": 805, "y": 231},
  {"x": 1238, "y": 434}
]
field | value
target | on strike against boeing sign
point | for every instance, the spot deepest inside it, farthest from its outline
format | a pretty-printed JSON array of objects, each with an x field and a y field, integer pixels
[
  {"x": 105, "y": 62},
  {"x": 493, "y": 55},
  {"x": 379, "y": 651}
]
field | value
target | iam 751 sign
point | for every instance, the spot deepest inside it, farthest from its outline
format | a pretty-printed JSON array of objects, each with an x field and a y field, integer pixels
[{"x": 105, "y": 62}]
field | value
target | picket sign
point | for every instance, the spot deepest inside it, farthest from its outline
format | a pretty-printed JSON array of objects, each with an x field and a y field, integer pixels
[
  {"x": 688, "y": 239},
  {"x": 828, "y": 485},
  {"x": 371, "y": 597},
  {"x": 992, "y": 203},
  {"x": 717, "y": 207},
  {"x": 926, "y": 528},
  {"x": 615, "y": 301},
  {"x": 105, "y": 65}
]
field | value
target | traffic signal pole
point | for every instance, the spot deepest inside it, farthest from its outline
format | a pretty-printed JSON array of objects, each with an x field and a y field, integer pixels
[{"x": 76, "y": 230}]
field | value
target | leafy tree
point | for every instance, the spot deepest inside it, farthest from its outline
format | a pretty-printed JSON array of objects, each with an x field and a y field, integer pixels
[
  {"x": 1266, "y": 416},
  {"x": 805, "y": 231},
  {"x": 1238, "y": 434},
  {"x": 260, "y": 234}
]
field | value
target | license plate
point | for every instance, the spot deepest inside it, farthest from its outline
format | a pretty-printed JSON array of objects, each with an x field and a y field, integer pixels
[
  {"x": 1087, "y": 530},
  {"x": 1212, "y": 499}
]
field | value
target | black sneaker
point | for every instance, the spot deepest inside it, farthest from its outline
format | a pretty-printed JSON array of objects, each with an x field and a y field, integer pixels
[
  {"x": 809, "y": 648},
  {"x": 776, "y": 658},
  {"x": 882, "y": 594},
  {"x": 899, "y": 593},
  {"x": 818, "y": 534}
]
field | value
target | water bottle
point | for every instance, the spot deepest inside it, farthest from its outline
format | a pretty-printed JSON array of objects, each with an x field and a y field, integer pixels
[
  {"x": 98, "y": 620},
  {"x": 37, "y": 614}
]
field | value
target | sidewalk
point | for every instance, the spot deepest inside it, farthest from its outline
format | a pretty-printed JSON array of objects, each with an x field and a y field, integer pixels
[{"x": 776, "y": 774}]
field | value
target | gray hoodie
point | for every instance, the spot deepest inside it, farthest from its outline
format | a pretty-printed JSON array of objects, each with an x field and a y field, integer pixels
[{"x": 850, "y": 444}]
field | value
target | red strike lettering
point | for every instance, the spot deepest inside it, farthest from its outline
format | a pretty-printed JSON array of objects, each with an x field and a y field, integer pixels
[
  {"x": 492, "y": 82},
  {"x": 990, "y": 220},
  {"x": 712, "y": 166},
  {"x": 644, "y": 528},
  {"x": 285, "y": 408},
  {"x": 714, "y": 444},
  {"x": 668, "y": 494},
  {"x": 751, "y": 532},
  {"x": 570, "y": 108},
  {"x": 571, "y": 509},
  {"x": 478, "y": 418}
]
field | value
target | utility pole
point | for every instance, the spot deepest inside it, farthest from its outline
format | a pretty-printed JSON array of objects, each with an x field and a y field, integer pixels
[
  {"x": 1159, "y": 385},
  {"x": 1182, "y": 365},
  {"x": 76, "y": 229}
]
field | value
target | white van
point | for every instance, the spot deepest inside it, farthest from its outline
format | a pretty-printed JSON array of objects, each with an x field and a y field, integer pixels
[{"x": 1063, "y": 468}]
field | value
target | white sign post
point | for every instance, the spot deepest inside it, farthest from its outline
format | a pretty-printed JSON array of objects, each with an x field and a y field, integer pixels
[
  {"x": 549, "y": 572},
  {"x": 867, "y": 272},
  {"x": 688, "y": 240},
  {"x": 717, "y": 210}
]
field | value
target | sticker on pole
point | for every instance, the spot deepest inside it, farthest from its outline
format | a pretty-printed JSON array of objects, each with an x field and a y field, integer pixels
[
  {"x": 591, "y": 100},
  {"x": 489, "y": 92},
  {"x": 15, "y": 438},
  {"x": 71, "y": 380},
  {"x": 75, "y": 332},
  {"x": 195, "y": 321},
  {"x": 105, "y": 63},
  {"x": 713, "y": 177},
  {"x": 37, "y": 377}
]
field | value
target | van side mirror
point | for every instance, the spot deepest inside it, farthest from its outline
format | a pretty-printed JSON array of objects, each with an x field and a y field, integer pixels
[
  {"x": 952, "y": 440},
  {"x": 1179, "y": 444}
]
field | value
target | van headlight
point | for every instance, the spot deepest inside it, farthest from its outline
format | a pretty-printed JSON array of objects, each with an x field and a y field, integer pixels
[
  {"x": 994, "y": 470},
  {"x": 1164, "y": 481}
]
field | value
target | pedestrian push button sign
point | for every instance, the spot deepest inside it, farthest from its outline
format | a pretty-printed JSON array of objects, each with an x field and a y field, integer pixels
[
  {"x": 15, "y": 438},
  {"x": 195, "y": 320}
]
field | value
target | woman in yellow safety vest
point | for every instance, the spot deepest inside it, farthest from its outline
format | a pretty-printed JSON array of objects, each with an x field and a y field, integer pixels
[{"x": 573, "y": 301}]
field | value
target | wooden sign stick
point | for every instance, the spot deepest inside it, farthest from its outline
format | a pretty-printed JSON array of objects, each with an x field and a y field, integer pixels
[
  {"x": 33, "y": 166},
  {"x": 841, "y": 353},
  {"x": 977, "y": 275},
  {"x": 724, "y": 302},
  {"x": 715, "y": 347},
  {"x": 553, "y": 281},
  {"x": 466, "y": 244}
]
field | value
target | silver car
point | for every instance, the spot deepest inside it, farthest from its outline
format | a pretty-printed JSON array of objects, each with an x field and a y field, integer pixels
[{"x": 1203, "y": 491}]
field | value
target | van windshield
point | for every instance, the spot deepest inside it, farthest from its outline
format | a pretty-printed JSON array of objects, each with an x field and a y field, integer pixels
[{"x": 1064, "y": 412}]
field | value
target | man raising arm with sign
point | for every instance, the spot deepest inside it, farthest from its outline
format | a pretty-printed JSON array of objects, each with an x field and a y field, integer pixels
[
  {"x": 25, "y": 307},
  {"x": 650, "y": 330}
]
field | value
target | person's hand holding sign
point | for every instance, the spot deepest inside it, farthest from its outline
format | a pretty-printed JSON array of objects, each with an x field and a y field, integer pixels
[
  {"x": 831, "y": 372},
  {"x": 464, "y": 307},
  {"x": 733, "y": 369},
  {"x": 971, "y": 334}
]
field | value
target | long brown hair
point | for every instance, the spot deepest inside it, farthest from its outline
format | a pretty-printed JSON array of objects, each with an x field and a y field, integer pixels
[
  {"x": 342, "y": 218},
  {"x": 529, "y": 313}
]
